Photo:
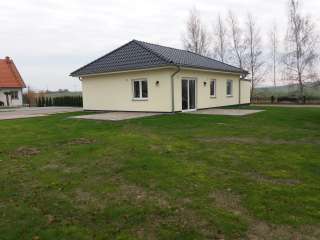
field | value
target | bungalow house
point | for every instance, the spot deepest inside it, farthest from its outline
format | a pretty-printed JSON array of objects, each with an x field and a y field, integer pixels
[
  {"x": 140, "y": 76},
  {"x": 11, "y": 84}
]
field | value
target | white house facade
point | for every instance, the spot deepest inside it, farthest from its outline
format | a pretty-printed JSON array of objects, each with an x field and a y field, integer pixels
[
  {"x": 11, "y": 84},
  {"x": 158, "y": 83},
  {"x": 10, "y": 97}
]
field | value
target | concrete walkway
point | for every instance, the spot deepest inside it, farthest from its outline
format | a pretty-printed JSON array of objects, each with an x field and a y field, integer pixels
[
  {"x": 116, "y": 116},
  {"x": 226, "y": 112},
  {"x": 15, "y": 113}
]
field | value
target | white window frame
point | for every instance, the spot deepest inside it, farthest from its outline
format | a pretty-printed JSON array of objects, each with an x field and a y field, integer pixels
[
  {"x": 231, "y": 94},
  {"x": 140, "y": 98},
  {"x": 215, "y": 88}
]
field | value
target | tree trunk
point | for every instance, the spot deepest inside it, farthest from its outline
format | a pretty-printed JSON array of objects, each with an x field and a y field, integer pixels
[
  {"x": 301, "y": 92},
  {"x": 301, "y": 88},
  {"x": 252, "y": 90}
]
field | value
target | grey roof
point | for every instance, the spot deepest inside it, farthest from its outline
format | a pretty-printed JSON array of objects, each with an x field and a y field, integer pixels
[{"x": 140, "y": 55}]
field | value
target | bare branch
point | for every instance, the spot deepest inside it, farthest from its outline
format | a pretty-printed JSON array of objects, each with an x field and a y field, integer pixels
[
  {"x": 301, "y": 47},
  {"x": 238, "y": 42},
  {"x": 254, "y": 56},
  {"x": 274, "y": 52},
  {"x": 220, "y": 40},
  {"x": 196, "y": 38}
]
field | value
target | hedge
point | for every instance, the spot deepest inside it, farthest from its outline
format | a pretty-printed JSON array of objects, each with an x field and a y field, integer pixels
[{"x": 67, "y": 101}]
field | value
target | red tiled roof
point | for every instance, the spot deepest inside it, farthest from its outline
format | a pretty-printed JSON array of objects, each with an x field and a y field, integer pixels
[{"x": 9, "y": 75}]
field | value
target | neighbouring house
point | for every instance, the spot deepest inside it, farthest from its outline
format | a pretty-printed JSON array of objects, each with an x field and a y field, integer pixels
[
  {"x": 140, "y": 76},
  {"x": 11, "y": 84}
]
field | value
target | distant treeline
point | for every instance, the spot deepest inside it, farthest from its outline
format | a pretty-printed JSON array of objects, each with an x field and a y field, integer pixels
[{"x": 67, "y": 101}]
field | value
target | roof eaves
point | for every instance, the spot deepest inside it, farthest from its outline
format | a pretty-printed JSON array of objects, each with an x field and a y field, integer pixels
[
  {"x": 128, "y": 69},
  {"x": 213, "y": 69}
]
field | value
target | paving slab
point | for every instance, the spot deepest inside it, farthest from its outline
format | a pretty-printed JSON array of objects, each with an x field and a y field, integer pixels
[
  {"x": 116, "y": 116},
  {"x": 30, "y": 112},
  {"x": 226, "y": 112}
]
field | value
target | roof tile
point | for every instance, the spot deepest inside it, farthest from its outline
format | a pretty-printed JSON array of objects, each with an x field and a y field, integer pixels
[
  {"x": 139, "y": 55},
  {"x": 9, "y": 75}
]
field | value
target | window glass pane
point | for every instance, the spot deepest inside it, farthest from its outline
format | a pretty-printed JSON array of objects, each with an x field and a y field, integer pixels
[
  {"x": 14, "y": 95},
  {"x": 184, "y": 94},
  {"x": 136, "y": 89},
  {"x": 229, "y": 87},
  {"x": 144, "y": 89},
  {"x": 213, "y": 88},
  {"x": 192, "y": 94}
]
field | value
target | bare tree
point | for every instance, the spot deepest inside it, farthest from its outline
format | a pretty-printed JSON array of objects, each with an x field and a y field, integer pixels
[
  {"x": 274, "y": 52},
  {"x": 301, "y": 45},
  {"x": 220, "y": 40},
  {"x": 196, "y": 38},
  {"x": 238, "y": 41},
  {"x": 254, "y": 56}
]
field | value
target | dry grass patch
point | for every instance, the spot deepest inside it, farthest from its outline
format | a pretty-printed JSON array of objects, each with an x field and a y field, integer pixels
[
  {"x": 270, "y": 180},
  {"x": 228, "y": 201},
  {"x": 25, "y": 152},
  {"x": 248, "y": 140},
  {"x": 51, "y": 166},
  {"x": 261, "y": 230},
  {"x": 87, "y": 200},
  {"x": 81, "y": 141}
]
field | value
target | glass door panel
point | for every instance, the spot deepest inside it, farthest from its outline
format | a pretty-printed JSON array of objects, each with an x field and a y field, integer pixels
[{"x": 185, "y": 87}]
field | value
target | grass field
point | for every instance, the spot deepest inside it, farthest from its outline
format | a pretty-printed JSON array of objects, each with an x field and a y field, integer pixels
[{"x": 165, "y": 177}]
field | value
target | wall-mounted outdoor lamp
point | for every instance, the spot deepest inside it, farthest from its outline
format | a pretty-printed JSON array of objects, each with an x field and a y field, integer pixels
[
  {"x": 204, "y": 84},
  {"x": 157, "y": 83}
]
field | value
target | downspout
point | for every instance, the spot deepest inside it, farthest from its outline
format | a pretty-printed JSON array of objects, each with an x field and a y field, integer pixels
[
  {"x": 240, "y": 91},
  {"x": 172, "y": 87}
]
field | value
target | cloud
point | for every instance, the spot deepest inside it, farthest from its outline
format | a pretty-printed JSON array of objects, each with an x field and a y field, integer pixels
[{"x": 50, "y": 38}]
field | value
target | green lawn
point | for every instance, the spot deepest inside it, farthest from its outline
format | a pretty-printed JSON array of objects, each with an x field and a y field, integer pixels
[{"x": 165, "y": 177}]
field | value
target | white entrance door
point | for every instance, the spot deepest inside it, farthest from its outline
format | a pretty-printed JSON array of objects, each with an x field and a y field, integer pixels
[{"x": 188, "y": 94}]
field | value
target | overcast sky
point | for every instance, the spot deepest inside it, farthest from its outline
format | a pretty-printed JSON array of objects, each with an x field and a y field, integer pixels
[{"x": 48, "y": 39}]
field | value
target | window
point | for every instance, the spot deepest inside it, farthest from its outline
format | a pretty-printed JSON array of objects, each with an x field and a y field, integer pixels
[
  {"x": 213, "y": 88},
  {"x": 14, "y": 95},
  {"x": 140, "y": 89},
  {"x": 229, "y": 88}
]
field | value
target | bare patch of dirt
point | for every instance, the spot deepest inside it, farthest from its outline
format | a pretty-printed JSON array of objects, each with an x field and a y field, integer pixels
[
  {"x": 26, "y": 152},
  {"x": 139, "y": 195},
  {"x": 81, "y": 141},
  {"x": 180, "y": 215},
  {"x": 248, "y": 140},
  {"x": 86, "y": 199},
  {"x": 50, "y": 219},
  {"x": 259, "y": 229},
  {"x": 82, "y": 196},
  {"x": 228, "y": 201},
  {"x": 277, "y": 181}
]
